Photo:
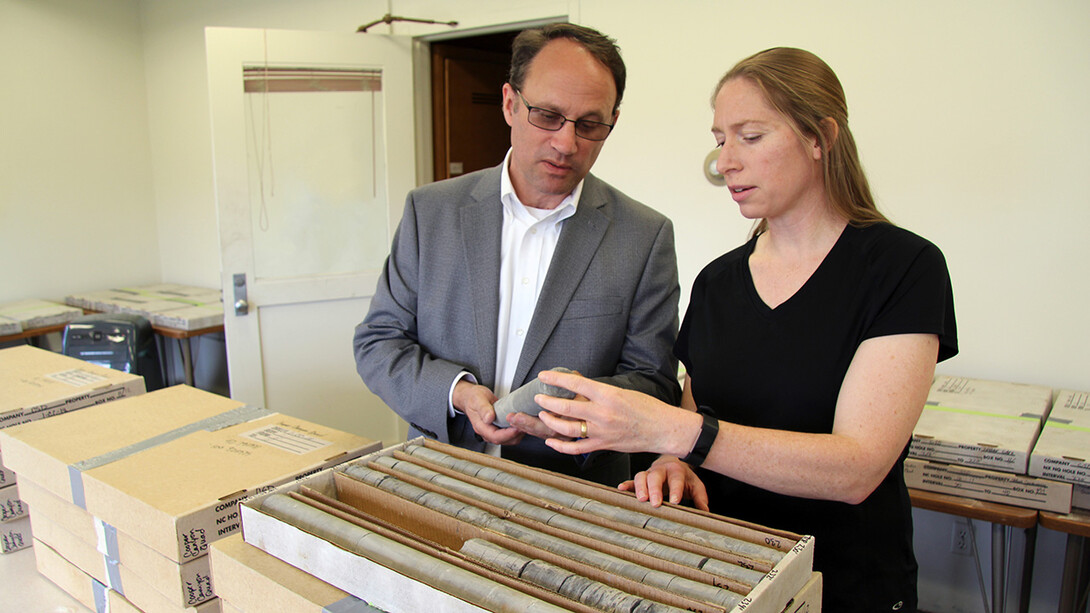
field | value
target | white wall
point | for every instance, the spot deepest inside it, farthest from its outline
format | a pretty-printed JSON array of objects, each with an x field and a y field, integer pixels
[
  {"x": 77, "y": 212},
  {"x": 969, "y": 117}
]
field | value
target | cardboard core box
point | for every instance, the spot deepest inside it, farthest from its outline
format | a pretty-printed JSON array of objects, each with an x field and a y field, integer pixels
[
  {"x": 1063, "y": 449},
  {"x": 162, "y": 474},
  {"x": 985, "y": 424},
  {"x": 115, "y": 559},
  {"x": 440, "y": 536},
  {"x": 171, "y": 466},
  {"x": 251, "y": 580},
  {"x": 38, "y": 383},
  {"x": 988, "y": 485}
]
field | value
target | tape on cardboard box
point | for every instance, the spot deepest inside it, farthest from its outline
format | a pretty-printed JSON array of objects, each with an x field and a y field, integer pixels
[
  {"x": 91, "y": 592},
  {"x": 181, "y": 584},
  {"x": 109, "y": 573},
  {"x": 208, "y": 424},
  {"x": 43, "y": 451},
  {"x": 180, "y": 523}
]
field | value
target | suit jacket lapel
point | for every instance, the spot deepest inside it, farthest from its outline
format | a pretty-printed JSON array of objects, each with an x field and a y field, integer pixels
[
  {"x": 482, "y": 226},
  {"x": 579, "y": 241}
]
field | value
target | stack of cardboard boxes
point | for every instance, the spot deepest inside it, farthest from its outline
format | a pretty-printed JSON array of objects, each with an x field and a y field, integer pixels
[
  {"x": 37, "y": 384},
  {"x": 976, "y": 438},
  {"x": 127, "y": 498},
  {"x": 1062, "y": 452},
  {"x": 169, "y": 305},
  {"x": 23, "y": 315}
]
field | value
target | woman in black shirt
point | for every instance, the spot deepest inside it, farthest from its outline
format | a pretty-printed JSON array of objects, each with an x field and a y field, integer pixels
[{"x": 809, "y": 350}]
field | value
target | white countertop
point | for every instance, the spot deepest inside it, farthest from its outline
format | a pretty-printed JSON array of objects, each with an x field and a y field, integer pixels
[{"x": 24, "y": 590}]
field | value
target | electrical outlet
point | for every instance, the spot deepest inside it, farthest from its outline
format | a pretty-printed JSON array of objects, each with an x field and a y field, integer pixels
[{"x": 960, "y": 541}]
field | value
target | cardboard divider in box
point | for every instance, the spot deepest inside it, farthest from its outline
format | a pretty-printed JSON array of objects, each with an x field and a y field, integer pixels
[
  {"x": 252, "y": 580},
  {"x": 11, "y": 506},
  {"x": 180, "y": 584},
  {"x": 1063, "y": 449},
  {"x": 116, "y": 577},
  {"x": 91, "y": 592},
  {"x": 170, "y": 467},
  {"x": 980, "y": 423},
  {"x": 38, "y": 383},
  {"x": 989, "y": 485},
  {"x": 15, "y": 534},
  {"x": 787, "y": 558}
]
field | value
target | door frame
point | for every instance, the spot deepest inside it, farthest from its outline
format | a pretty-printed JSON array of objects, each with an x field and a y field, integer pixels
[{"x": 422, "y": 84}]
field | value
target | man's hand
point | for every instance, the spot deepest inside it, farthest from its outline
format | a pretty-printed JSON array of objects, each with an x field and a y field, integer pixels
[{"x": 476, "y": 402}]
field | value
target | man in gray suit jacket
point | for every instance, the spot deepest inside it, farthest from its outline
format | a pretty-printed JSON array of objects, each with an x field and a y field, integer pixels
[{"x": 499, "y": 274}]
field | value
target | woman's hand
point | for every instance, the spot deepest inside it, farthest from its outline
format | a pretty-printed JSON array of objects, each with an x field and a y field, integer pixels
[
  {"x": 679, "y": 479},
  {"x": 614, "y": 418}
]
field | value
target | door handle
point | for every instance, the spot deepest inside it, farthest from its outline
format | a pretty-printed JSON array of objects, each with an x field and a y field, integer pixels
[{"x": 242, "y": 306}]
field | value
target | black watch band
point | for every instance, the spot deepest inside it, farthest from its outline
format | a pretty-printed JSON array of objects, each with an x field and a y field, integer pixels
[{"x": 704, "y": 442}]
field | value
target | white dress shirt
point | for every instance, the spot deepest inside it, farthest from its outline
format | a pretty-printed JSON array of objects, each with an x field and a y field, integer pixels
[{"x": 528, "y": 241}]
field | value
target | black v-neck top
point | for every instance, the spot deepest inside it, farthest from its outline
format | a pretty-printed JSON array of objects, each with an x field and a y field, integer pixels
[{"x": 782, "y": 368}]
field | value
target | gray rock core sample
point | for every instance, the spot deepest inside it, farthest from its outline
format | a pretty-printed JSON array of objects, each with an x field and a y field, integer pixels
[{"x": 522, "y": 399}]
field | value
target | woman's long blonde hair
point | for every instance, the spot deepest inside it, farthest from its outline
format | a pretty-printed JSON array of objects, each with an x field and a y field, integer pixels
[{"x": 800, "y": 85}]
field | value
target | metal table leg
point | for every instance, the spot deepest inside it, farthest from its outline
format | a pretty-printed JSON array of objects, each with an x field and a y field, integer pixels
[
  {"x": 1069, "y": 585},
  {"x": 999, "y": 567},
  {"x": 1027, "y": 568},
  {"x": 187, "y": 360}
]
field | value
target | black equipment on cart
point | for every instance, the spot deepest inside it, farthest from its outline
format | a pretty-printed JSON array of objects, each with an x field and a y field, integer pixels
[{"x": 122, "y": 341}]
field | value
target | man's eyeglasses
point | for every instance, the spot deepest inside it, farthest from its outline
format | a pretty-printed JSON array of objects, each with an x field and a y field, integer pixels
[{"x": 553, "y": 121}]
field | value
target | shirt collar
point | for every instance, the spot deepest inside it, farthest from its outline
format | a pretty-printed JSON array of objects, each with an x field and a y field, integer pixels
[{"x": 508, "y": 197}]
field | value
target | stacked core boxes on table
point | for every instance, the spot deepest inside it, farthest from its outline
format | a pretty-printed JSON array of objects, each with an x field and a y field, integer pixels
[
  {"x": 975, "y": 438},
  {"x": 38, "y": 384},
  {"x": 132, "y": 493}
]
